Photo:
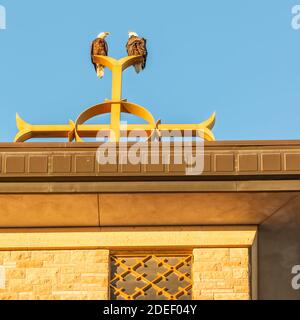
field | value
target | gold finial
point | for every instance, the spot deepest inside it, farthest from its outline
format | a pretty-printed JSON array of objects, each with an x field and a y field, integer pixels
[{"x": 115, "y": 107}]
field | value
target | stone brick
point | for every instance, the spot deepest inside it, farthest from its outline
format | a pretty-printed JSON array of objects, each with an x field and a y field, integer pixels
[
  {"x": 26, "y": 296},
  {"x": 42, "y": 297},
  {"x": 19, "y": 285},
  {"x": 9, "y": 264},
  {"x": 63, "y": 287},
  {"x": 69, "y": 278},
  {"x": 15, "y": 273},
  {"x": 62, "y": 258},
  {"x": 209, "y": 265},
  {"x": 8, "y": 296},
  {"x": 90, "y": 287},
  {"x": 30, "y": 264},
  {"x": 211, "y": 254},
  {"x": 99, "y": 280},
  {"x": 240, "y": 273},
  {"x": 43, "y": 289},
  {"x": 231, "y": 296},
  {"x": 55, "y": 275},
  {"x": 221, "y": 273},
  {"x": 242, "y": 289},
  {"x": 98, "y": 295},
  {"x": 20, "y": 256}
]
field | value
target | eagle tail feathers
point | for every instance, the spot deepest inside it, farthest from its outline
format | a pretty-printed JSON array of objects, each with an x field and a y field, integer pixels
[
  {"x": 100, "y": 71},
  {"x": 138, "y": 68}
]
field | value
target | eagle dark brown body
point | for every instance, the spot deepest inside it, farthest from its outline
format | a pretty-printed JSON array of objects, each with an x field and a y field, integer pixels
[
  {"x": 99, "y": 47},
  {"x": 137, "y": 46}
]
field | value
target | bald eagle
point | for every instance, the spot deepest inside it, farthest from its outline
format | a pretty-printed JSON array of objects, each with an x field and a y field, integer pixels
[
  {"x": 137, "y": 46},
  {"x": 99, "y": 47}
]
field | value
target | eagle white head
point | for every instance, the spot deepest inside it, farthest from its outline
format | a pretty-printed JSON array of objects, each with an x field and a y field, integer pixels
[
  {"x": 103, "y": 35},
  {"x": 132, "y": 34}
]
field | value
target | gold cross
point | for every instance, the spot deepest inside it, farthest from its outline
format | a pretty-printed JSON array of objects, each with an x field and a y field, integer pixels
[{"x": 78, "y": 130}]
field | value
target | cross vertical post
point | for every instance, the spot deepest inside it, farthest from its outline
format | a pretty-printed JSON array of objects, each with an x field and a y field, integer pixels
[{"x": 115, "y": 117}]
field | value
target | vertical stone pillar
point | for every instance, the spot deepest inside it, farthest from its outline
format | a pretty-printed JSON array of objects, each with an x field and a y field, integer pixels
[{"x": 221, "y": 274}]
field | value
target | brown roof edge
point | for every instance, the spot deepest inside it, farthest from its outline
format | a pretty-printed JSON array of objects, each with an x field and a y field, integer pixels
[
  {"x": 223, "y": 161},
  {"x": 221, "y": 143}
]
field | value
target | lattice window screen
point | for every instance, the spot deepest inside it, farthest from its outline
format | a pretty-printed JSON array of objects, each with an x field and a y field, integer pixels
[{"x": 151, "y": 277}]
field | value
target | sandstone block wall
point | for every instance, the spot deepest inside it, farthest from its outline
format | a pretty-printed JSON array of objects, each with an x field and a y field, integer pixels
[
  {"x": 54, "y": 274},
  {"x": 84, "y": 274},
  {"x": 221, "y": 274}
]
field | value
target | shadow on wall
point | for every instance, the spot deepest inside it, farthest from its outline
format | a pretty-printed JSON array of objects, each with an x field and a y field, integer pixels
[{"x": 279, "y": 252}]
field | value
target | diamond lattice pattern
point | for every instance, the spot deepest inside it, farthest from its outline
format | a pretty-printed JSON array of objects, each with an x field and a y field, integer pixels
[{"x": 151, "y": 277}]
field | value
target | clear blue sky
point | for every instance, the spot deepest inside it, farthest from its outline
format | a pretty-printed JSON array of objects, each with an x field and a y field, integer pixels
[{"x": 242, "y": 60}]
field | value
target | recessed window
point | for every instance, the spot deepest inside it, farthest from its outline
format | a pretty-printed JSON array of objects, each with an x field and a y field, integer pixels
[{"x": 151, "y": 277}]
